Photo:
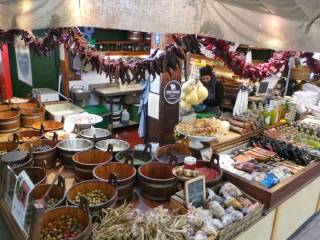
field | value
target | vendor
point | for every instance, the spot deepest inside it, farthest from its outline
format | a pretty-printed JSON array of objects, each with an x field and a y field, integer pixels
[{"x": 215, "y": 90}]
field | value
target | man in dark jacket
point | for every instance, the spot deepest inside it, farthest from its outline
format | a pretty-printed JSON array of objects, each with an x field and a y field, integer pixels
[{"x": 215, "y": 90}]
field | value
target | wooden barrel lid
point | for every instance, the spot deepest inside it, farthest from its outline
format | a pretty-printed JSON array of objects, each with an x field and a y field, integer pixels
[{"x": 14, "y": 157}]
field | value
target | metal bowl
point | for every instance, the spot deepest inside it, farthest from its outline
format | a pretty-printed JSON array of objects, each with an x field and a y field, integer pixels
[
  {"x": 118, "y": 145},
  {"x": 95, "y": 133},
  {"x": 75, "y": 145}
]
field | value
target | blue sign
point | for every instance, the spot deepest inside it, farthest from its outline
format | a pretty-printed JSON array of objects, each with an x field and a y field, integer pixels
[{"x": 158, "y": 36}]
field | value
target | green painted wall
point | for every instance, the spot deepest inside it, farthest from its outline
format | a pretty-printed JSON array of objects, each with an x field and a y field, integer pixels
[{"x": 45, "y": 71}]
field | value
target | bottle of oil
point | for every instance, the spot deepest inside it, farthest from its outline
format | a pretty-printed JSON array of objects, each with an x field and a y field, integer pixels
[
  {"x": 274, "y": 113},
  {"x": 267, "y": 115}
]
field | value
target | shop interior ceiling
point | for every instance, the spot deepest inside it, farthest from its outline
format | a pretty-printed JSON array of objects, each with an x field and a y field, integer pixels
[{"x": 282, "y": 25}]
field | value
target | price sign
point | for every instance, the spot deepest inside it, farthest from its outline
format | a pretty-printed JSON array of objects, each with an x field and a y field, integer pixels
[
  {"x": 195, "y": 191},
  {"x": 21, "y": 199}
]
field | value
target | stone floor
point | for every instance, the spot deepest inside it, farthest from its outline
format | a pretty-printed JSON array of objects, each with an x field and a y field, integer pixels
[{"x": 310, "y": 230}]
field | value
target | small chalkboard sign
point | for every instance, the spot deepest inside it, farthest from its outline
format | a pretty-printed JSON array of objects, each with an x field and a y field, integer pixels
[{"x": 195, "y": 191}]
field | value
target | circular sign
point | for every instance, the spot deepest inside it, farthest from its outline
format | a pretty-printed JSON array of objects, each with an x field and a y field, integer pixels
[{"x": 172, "y": 92}]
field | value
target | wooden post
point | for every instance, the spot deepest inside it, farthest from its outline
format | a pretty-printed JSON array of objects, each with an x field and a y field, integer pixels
[
  {"x": 37, "y": 210},
  {"x": 162, "y": 130}
]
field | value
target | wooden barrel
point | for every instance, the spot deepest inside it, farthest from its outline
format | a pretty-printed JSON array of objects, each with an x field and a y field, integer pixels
[
  {"x": 157, "y": 183},
  {"x": 9, "y": 121},
  {"x": 4, "y": 107},
  {"x": 29, "y": 116},
  {"x": 6, "y": 147},
  {"x": 37, "y": 175},
  {"x": 26, "y": 136},
  {"x": 27, "y": 105},
  {"x": 84, "y": 187},
  {"x": 50, "y": 155},
  {"x": 58, "y": 191},
  {"x": 84, "y": 162},
  {"x": 176, "y": 152},
  {"x": 80, "y": 213},
  {"x": 17, "y": 159},
  {"x": 126, "y": 175}
]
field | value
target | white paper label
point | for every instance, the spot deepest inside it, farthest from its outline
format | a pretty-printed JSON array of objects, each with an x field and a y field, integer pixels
[
  {"x": 206, "y": 154},
  {"x": 153, "y": 105},
  {"x": 155, "y": 84}
]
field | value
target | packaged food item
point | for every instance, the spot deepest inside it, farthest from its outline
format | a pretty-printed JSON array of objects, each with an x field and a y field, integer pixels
[
  {"x": 270, "y": 180},
  {"x": 190, "y": 163}
]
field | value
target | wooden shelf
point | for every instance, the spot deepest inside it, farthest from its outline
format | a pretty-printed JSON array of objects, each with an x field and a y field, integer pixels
[{"x": 124, "y": 53}]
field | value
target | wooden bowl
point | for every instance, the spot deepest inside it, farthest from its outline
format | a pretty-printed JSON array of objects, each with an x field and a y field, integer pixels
[
  {"x": 28, "y": 105},
  {"x": 37, "y": 175},
  {"x": 8, "y": 147},
  {"x": 84, "y": 187},
  {"x": 177, "y": 151},
  {"x": 84, "y": 162},
  {"x": 9, "y": 121},
  {"x": 157, "y": 183},
  {"x": 31, "y": 115},
  {"x": 47, "y": 125},
  {"x": 80, "y": 213},
  {"x": 57, "y": 191},
  {"x": 4, "y": 107},
  {"x": 126, "y": 175},
  {"x": 27, "y": 135},
  {"x": 50, "y": 155}
]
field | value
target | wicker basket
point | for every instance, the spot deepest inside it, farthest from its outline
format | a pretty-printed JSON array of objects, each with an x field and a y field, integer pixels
[
  {"x": 300, "y": 73},
  {"x": 231, "y": 230}
]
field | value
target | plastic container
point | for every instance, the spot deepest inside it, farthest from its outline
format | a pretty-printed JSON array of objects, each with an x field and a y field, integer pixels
[
  {"x": 134, "y": 112},
  {"x": 190, "y": 163},
  {"x": 102, "y": 112},
  {"x": 125, "y": 117}
]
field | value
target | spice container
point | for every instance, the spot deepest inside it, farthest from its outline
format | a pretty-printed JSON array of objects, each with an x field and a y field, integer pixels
[{"x": 190, "y": 163}]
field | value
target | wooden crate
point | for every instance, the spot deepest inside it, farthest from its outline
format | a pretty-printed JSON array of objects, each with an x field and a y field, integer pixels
[{"x": 280, "y": 192}]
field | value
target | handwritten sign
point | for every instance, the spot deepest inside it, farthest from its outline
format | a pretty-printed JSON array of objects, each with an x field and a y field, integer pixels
[{"x": 195, "y": 191}]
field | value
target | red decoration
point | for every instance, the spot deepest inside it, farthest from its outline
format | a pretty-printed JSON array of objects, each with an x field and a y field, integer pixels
[{"x": 221, "y": 50}]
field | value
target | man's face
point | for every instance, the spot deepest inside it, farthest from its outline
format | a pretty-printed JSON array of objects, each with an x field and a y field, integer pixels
[{"x": 205, "y": 79}]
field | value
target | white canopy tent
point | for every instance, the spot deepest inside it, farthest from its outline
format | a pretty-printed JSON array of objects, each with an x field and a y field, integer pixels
[{"x": 276, "y": 24}]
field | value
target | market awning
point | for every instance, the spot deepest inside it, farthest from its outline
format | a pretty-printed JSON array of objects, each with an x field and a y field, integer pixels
[{"x": 285, "y": 25}]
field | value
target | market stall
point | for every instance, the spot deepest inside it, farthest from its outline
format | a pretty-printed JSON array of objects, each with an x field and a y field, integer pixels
[{"x": 146, "y": 152}]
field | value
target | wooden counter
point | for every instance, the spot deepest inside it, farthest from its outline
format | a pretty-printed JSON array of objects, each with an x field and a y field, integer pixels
[{"x": 277, "y": 224}]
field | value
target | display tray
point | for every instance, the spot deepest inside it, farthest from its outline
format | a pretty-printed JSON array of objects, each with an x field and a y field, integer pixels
[{"x": 274, "y": 196}]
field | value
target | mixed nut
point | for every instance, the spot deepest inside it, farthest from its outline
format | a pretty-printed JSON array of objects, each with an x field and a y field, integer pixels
[
  {"x": 95, "y": 197},
  {"x": 63, "y": 228}
]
